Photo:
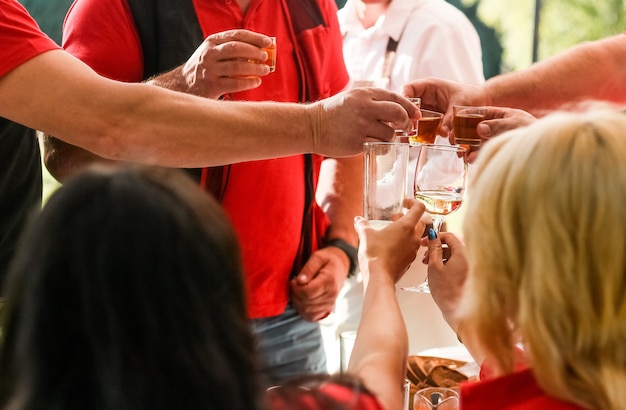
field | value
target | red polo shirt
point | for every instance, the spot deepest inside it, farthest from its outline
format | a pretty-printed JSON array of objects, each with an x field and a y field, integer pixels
[
  {"x": 20, "y": 37},
  {"x": 264, "y": 199}
]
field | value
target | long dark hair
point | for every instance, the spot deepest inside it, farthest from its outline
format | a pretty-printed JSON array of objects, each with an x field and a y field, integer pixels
[{"x": 126, "y": 293}]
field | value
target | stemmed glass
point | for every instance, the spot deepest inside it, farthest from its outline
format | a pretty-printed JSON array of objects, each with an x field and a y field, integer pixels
[{"x": 440, "y": 182}]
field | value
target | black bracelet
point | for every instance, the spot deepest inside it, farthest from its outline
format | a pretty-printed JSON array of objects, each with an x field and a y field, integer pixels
[{"x": 350, "y": 251}]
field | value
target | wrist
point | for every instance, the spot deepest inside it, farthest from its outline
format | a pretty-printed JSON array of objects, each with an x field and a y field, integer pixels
[{"x": 350, "y": 251}]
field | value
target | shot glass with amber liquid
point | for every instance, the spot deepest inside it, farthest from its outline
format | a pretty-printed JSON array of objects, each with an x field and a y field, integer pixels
[
  {"x": 425, "y": 132},
  {"x": 271, "y": 55},
  {"x": 465, "y": 121}
]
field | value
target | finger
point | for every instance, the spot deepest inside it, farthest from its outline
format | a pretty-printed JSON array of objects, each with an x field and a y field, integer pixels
[
  {"x": 309, "y": 270},
  {"x": 233, "y": 85},
  {"x": 495, "y": 127},
  {"x": 415, "y": 211},
  {"x": 238, "y": 51},
  {"x": 246, "y": 36},
  {"x": 435, "y": 250},
  {"x": 360, "y": 225}
]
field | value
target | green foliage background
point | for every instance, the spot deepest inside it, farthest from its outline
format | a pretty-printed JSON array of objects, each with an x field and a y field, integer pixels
[{"x": 563, "y": 23}]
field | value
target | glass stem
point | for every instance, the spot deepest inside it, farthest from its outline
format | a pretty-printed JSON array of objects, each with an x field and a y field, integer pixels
[{"x": 437, "y": 221}]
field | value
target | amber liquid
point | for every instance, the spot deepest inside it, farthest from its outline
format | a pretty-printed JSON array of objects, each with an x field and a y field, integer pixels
[
  {"x": 427, "y": 128},
  {"x": 465, "y": 129},
  {"x": 271, "y": 57}
]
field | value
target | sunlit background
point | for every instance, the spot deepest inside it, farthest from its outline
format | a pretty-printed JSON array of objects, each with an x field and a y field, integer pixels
[{"x": 514, "y": 33}]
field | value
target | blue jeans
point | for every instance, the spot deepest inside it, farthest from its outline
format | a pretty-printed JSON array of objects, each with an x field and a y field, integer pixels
[{"x": 288, "y": 346}]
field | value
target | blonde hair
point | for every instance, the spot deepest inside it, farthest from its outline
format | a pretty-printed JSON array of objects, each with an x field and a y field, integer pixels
[{"x": 545, "y": 228}]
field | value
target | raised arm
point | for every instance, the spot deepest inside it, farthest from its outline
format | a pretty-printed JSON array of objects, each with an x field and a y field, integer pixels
[
  {"x": 147, "y": 124},
  {"x": 381, "y": 347},
  {"x": 588, "y": 71}
]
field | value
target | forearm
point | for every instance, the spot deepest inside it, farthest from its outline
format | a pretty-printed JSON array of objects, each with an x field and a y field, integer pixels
[
  {"x": 64, "y": 160},
  {"x": 141, "y": 123},
  {"x": 381, "y": 348},
  {"x": 340, "y": 194},
  {"x": 589, "y": 71}
]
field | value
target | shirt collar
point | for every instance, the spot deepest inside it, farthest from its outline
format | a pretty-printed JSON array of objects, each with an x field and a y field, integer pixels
[{"x": 393, "y": 22}]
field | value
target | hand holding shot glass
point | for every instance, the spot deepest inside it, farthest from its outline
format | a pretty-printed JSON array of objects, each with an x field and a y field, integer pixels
[
  {"x": 271, "y": 55},
  {"x": 385, "y": 172},
  {"x": 465, "y": 121}
]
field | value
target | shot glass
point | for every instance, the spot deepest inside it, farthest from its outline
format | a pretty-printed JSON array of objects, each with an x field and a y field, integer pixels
[
  {"x": 426, "y": 130},
  {"x": 271, "y": 55},
  {"x": 385, "y": 180},
  {"x": 465, "y": 120}
]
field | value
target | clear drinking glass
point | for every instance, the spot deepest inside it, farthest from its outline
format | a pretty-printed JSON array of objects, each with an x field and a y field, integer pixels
[
  {"x": 385, "y": 170},
  {"x": 440, "y": 183}
]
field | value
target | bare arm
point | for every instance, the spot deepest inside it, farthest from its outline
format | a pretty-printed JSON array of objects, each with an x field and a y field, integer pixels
[
  {"x": 147, "y": 124},
  {"x": 589, "y": 71},
  {"x": 340, "y": 194},
  {"x": 381, "y": 346},
  {"x": 225, "y": 62}
]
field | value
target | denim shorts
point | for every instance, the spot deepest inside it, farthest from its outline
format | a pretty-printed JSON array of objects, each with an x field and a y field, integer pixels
[{"x": 288, "y": 346}]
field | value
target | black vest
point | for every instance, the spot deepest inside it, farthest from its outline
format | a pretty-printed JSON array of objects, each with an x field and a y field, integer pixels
[{"x": 170, "y": 32}]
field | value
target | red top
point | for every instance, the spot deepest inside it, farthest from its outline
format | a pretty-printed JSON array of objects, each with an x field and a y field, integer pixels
[
  {"x": 20, "y": 37},
  {"x": 264, "y": 199},
  {"x": 515, "y": 391},
  {"x": 336, "y": 393}
]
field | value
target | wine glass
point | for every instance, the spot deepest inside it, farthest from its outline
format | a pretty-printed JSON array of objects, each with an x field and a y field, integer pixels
[{"x": 440, "y": 182}]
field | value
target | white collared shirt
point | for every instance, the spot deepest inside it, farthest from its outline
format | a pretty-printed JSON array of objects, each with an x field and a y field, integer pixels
[{"x": 435, "y": 40}]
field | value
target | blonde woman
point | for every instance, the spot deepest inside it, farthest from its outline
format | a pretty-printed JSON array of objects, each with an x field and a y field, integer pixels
[{"x": 538, "y": 294}]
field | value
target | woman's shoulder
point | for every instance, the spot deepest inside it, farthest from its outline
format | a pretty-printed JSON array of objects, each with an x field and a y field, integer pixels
[{"x": 322, "y": 393}]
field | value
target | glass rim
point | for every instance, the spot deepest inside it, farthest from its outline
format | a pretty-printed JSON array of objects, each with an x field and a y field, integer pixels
[
  {"x": 451, "y": 148},
  {"x": 433, "y": 112},
  {"x": 384, "y": 143}
]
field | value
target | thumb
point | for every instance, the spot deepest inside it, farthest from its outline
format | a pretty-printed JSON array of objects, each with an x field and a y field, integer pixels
[
  {"x": 360, "y": 223},
  {"x": 435, "y": 250}
]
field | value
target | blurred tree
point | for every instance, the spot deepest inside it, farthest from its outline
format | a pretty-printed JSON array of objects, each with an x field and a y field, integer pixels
[
  {"x": 489, "y": 38},
  {"x": 49, "y": 14},
  {"x": 563, "y": 24}
]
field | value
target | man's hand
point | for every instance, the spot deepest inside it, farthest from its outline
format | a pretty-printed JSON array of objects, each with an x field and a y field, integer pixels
[
  {"x": 315, "y": 289},
  {"x": 359, "y": 115},
  {"x": 501, "y": 119},
  {"x": 225, "y": 62},
  {"x": 446, "y": 280},
  {"x": 441, "y": 95}
]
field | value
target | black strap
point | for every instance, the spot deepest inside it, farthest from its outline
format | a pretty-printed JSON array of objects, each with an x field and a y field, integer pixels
[{"x": 169, "y": 31}]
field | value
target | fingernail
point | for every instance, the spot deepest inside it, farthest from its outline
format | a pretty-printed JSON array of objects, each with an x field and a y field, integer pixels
[
  {"x": 483, "y": 130},
  {"x": 432, "y": 234}
]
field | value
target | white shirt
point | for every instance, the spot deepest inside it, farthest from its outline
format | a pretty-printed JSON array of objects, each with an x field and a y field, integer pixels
[{"x": 435, "y": 40}]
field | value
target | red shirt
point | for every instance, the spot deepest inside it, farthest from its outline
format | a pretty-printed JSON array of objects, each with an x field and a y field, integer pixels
[
  {"x": 336, "y": 393},
  {"x": 264, "y": 199},
  {"x": 515, "y": 391},
  {"x": 20, "y": 37}
]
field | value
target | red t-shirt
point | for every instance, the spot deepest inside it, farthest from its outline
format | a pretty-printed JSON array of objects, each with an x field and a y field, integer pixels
[
  {"x": 20, "y": 37},
  {"x": 515, "y": 391},
  {"x": 264, "y": 199},
  {"x": 336, "y": 393}
]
